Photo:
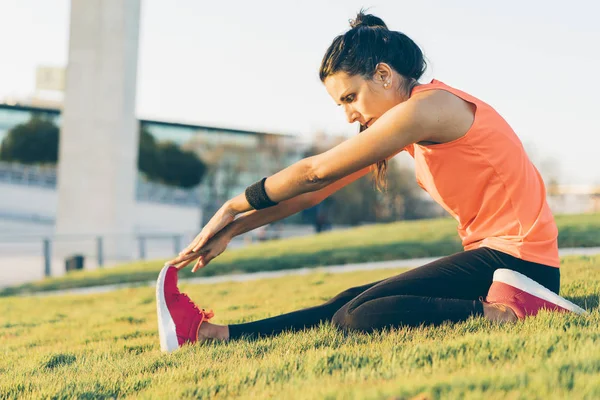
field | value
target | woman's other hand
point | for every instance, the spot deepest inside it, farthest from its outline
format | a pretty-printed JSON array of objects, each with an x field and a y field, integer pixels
[
  {"x": 223, "y": 217},
  {"x": 212, "y": 249}
]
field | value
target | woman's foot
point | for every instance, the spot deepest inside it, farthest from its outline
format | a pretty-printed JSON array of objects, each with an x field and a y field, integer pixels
[
  {"x": 498, "y": 312},
  {"x": 180, "y": 320},
  {"x": 524, "y": 296},
  {"x": 210, "y": 332}
]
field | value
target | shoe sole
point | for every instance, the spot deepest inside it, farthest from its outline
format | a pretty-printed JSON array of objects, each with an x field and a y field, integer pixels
[
  {"x": 166, "y": 326},
  {"x": 526, "y": 284}
]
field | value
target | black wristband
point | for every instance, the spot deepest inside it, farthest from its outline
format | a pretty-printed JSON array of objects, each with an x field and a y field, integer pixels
[{"x": 256, "y": 196}]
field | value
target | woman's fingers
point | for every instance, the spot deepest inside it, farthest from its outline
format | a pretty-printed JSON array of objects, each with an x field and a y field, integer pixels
[
  {"x": 207, "y": 233},
  {"x": 191, "y": 246},
  {"x": 221, "y": 219},
  {"x": 203, "y": 261},
  {"x": 199, "y": 264},
  {"x": 182, "y": 264},
  {"x": 185, "y": 261},
  {"x": 200, "y": 243},
  {"x": 182, "y": 261},
  {"x": 185, "y": 253},
  {"x": 197, "y": 243},
  {"x": 179, "y": 259}
]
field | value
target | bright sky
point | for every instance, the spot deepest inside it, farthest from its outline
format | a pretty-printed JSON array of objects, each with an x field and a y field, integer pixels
[{"x": 254, "y": 64}]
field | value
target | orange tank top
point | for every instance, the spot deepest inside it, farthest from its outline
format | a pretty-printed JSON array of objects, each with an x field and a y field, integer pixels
[{"x": 486, "y": 181}]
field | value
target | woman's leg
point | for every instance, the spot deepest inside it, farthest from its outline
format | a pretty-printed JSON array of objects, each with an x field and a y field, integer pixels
[
  {"x": 447, "y": 289},
  {"x": 297, "y": 320},
  {"x": 433, "y": 279}
]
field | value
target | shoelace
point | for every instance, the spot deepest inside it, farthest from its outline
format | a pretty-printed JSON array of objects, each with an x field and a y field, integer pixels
[{"x": 206, "y": 315}]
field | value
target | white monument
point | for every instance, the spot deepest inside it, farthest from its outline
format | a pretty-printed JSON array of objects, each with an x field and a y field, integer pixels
[{"x": 99, "y": 135}]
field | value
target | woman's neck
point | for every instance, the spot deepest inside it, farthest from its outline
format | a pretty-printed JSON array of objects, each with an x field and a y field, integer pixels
[{"x": 413, "y": 83}]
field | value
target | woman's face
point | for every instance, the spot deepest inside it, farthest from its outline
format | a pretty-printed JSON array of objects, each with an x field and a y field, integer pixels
[{"x": 364, "y": 100}]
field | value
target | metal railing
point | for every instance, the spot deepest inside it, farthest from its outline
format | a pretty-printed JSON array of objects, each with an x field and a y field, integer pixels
[
  {"x": 49, "y": 253},
  {"x": 97, "y": 249}
]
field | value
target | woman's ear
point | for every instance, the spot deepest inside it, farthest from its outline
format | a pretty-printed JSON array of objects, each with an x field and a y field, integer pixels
[{"x": 383, "y": 73}]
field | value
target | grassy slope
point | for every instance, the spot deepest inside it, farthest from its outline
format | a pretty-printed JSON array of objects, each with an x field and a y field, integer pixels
[
  {"x": 106, "y": 345},
  {"x": 400, "y": 240}
]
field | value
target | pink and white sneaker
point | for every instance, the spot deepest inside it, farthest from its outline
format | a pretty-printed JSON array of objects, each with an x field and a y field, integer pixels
[
  {"x": 179, "y": 319},
  {"x": 525, "y": 296}
]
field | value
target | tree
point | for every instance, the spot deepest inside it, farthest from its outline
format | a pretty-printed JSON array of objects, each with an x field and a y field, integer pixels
[
  {"x": 178, "y": 167},
  {"x": 34, "y": 142},
  {"x": 167, "y": 163},
  {"x": 148, "y": 156}
]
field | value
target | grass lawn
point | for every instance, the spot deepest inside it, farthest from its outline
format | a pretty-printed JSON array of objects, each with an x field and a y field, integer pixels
[
  {"x": 106, "y": 345},
  {"x": 400, "y": 240}
]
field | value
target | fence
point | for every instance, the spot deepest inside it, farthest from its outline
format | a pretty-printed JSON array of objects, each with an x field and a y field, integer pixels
[{"x": 29, "y": 257}]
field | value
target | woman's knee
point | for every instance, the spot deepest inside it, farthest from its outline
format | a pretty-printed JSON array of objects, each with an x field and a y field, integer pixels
[
  {"x": 341, "y": 319},
  {"x": 345, "y": 320}
]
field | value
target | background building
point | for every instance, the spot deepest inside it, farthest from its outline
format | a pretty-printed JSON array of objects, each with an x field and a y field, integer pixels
[
  {"x": 234, "y": 159},
  {"x": 165, "y": 216}
]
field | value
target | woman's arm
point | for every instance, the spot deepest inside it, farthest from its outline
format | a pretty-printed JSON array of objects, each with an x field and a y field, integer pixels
[
  {"x": 256, "y": 218},
  {"x": 409, "y": 122},
  {"x": 427, "y": 116}
]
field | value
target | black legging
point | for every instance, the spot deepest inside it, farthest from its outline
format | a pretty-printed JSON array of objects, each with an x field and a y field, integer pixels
[{"x": 447, "y": 289}]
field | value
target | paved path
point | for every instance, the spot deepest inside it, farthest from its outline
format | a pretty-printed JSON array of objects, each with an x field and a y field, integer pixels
[{"x": 334, "y": 269}]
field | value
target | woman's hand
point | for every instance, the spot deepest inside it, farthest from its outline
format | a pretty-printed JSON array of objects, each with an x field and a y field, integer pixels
[
  {"x": 220, "y": 220},
  {"x": 213, "y": 248}
]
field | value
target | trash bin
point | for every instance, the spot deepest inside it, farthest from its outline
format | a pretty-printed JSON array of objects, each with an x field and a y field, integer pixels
[{"x": 74, "y": 262}]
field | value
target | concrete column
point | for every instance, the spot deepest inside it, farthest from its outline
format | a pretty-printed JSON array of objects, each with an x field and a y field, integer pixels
[{"x": 99, "y": 131}]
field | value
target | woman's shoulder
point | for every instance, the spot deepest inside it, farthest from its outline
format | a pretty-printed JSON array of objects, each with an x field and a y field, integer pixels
[{"x": 448, "y": 115}]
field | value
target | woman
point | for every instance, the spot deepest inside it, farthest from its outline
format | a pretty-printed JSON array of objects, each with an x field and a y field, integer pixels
[{"x": 466, "y": 157}]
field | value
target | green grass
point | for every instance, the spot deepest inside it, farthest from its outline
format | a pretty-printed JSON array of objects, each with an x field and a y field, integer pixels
[
  {"x": 106, "y": 345},
  {"x": 400, "y": 240}
]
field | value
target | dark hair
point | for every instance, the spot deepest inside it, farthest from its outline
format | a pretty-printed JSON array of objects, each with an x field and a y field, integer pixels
[{"x": 368, "y": 43}]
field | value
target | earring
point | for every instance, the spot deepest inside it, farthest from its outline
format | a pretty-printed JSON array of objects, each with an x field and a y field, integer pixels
[{"x": 385, "y": 85}]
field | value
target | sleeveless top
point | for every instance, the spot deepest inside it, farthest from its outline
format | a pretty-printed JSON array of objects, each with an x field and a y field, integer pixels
[{"x": 486, "y": 181}]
